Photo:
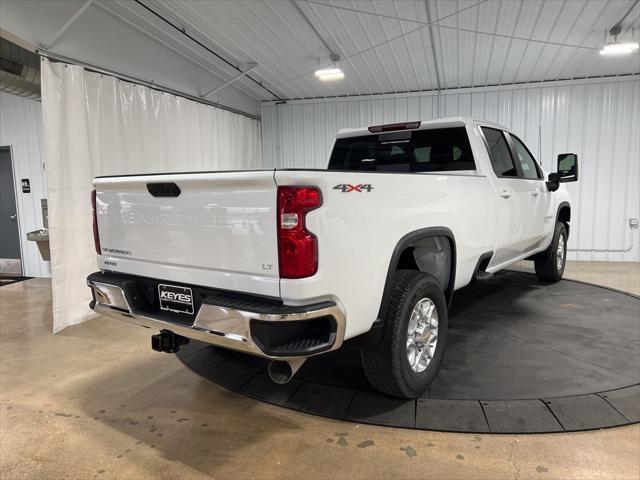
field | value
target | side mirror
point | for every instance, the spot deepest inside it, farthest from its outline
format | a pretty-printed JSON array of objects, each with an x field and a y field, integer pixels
[
  {"x": 553, "y": 183},
  {"x": 568, "y": 167}
]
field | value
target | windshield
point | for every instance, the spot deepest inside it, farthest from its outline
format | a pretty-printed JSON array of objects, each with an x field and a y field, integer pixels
[{"x": 436, "y": 150}]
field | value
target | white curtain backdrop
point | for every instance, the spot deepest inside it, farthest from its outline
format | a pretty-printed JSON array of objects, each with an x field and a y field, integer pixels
[{"x": 98, "y": 125}]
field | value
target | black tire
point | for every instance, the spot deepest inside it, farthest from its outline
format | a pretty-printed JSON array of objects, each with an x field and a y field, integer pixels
[
  {"x": 386, "y": 365},
  {"x": 546, "y": 263}
]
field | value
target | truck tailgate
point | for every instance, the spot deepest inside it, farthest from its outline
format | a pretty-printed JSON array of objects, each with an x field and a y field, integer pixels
[{"x": 219, "y": 231}]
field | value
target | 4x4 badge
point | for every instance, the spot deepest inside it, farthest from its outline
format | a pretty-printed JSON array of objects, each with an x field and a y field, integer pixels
[{"x": 346, "y": 187}]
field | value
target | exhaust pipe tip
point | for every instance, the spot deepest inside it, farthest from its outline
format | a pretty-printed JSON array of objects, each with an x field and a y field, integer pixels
[{"x": 282, "y": 372}]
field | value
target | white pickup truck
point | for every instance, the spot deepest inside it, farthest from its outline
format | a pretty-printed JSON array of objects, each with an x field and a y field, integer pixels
[{"x": 287, "y": 264}]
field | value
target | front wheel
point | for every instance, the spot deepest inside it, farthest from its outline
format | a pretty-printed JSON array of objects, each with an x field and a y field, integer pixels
[
  {"x": 550, "y": 264},
  {"x": 406, "y": 360}
]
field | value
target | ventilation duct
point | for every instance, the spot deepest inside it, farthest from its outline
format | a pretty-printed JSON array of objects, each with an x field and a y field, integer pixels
[{"x": 19, "y": 70}]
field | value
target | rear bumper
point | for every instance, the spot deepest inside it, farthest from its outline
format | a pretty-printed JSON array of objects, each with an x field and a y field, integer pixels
[{"x": 262, "y": 327}]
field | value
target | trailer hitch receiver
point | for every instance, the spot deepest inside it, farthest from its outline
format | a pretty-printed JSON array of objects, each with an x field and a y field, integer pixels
[{"x": 167, "y": 341}]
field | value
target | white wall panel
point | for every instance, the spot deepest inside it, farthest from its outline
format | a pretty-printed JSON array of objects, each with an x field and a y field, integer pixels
[
  {"x": 21, "y": 129},
  {"x": 598, "y": 119}
]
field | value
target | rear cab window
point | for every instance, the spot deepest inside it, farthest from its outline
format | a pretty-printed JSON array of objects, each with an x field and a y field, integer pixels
[{"x": 434, "y": 150}]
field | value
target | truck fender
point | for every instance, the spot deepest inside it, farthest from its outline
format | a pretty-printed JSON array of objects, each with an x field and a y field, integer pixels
[
  {"x": 411, "y": 239},
  {"x": 564, "y": 218},
  {"x": 560, "y": 217}
]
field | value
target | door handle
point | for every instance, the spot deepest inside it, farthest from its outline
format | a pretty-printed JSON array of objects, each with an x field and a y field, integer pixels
[
  {"x": 13, "y": 217},
  {"x": 505, "y": 194},
  {"x": 535, "y": 192}
]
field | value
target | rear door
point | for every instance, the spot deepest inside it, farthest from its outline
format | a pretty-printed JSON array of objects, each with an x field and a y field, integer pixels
[
  {"x": 513, "y": 198},
  {"x": 209, "y": 229}
]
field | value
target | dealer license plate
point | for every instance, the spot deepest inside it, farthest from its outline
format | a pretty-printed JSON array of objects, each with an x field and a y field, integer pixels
[{"x": 175, "y": 299}]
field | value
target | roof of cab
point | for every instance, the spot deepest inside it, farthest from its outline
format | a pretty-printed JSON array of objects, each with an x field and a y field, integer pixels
[{"x": 424, "y": 125}]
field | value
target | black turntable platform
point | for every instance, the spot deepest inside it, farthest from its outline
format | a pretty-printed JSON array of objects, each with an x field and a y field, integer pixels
[{"x": 522, "y": 357}]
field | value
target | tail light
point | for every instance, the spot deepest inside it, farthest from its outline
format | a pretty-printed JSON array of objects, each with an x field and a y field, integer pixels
[
  {"x": 297, "y": 246},
  {"x": 96, "y": 237}
]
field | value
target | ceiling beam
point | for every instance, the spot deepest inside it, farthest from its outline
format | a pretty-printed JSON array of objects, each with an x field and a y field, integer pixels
[
  {"x": 433, "y": 45},
  {"x": 447, "y": 27},
  {"x": 313, "y": 28},
  {"x": 229, "y": 82},
  {"x": 184, "y": 32},
  {"x": 67, "y": 24},
  {"x": 393, "y": 17},
  {"x": 220, "y": 74}
]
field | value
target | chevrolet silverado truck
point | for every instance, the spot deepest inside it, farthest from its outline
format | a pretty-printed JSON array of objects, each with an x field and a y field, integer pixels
[{"x": 291, "y": 263}]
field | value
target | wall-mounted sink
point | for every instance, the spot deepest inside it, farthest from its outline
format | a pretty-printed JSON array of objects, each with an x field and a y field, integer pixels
[{"x": 41, "y": 237}]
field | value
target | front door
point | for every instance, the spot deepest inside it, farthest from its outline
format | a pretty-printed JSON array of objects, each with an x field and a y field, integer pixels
[
  {"x": 9, "y": 234},
  {"x": 539, "y": 212}
]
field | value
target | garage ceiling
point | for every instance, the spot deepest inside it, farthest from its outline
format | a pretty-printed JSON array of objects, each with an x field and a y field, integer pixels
[{"x": 385, "y": 46}]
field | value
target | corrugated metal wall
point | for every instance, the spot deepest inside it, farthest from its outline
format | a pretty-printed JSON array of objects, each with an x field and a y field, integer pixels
[
  {"x": 21, "y": 129},
  {"x": 598, "y": 119}
]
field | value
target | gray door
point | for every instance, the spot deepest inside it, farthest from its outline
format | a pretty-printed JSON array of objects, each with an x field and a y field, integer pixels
[{"x": 9, "y": 235}]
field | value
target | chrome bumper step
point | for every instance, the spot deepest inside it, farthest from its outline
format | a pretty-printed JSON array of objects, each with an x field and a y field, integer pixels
[{"x": 256, "y": 326}]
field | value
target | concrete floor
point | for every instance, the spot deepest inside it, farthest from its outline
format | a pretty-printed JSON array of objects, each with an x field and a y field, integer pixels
[{"x": 95, "y": 402}]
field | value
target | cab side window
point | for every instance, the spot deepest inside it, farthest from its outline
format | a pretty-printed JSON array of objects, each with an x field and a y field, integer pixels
[
  {"x": 499, "y": 154},
  {"x": 528, "y": 165}
]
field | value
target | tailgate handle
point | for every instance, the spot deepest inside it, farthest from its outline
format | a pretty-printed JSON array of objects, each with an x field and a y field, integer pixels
[{"x": 167, "y": 189}]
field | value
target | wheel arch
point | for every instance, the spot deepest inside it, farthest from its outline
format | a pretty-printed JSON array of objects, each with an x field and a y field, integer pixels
[
  {"x": 564, "y": 214},
  {"x": 374, "y": 335},
  {"x": 407, "y": 244}
]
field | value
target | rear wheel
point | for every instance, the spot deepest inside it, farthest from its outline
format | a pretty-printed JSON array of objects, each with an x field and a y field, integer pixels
[
  {"x": 406, "y": 360},
  {"x": 550, "y": 264}
]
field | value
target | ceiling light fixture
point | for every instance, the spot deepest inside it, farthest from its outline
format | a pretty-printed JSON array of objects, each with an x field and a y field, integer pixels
[
  {"x": 331, "y": 73},
  {"x": 618, "y": 48},
  {"x": 615, "y": 47}
]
